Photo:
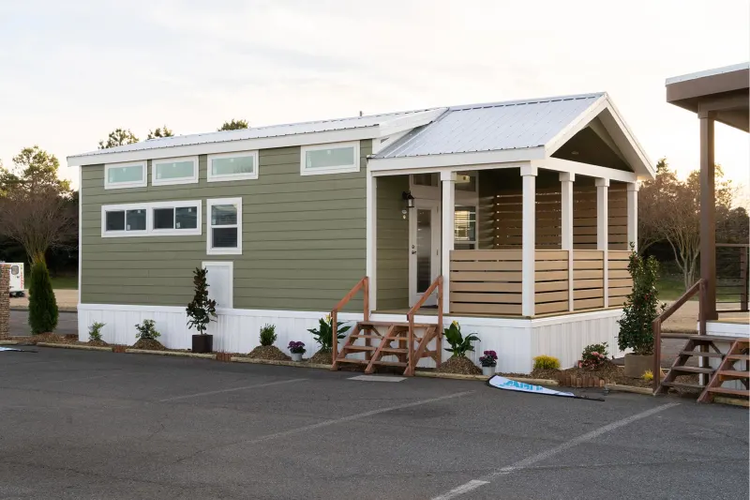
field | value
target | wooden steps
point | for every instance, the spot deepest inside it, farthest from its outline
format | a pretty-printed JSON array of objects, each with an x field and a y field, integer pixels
[
  {"x": 682, "y": 385},
  {"x": 692, "y": 369},
  {"x": 703, "y": 354},
  {"x": 729, "y": 392},
  {"x": 739, "y": 352}
]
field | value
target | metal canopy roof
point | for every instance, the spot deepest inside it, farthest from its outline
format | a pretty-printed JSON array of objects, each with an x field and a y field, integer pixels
[{"x": 493, "y": 127}]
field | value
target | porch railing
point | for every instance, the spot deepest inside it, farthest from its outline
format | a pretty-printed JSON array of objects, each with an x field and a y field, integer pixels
[
  {"x": 364, "y": 285},
  {"x": 436, "y": 285}
]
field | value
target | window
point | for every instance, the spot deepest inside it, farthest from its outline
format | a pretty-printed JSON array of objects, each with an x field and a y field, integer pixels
[
  {"x": 330, "y": 158},
  {"x": 152, "y": 219},
  {"x": 124, "y": 220},
  {"x": 124, "y": 175},
  {"x": 220, "y": 279},
  {"x": 466, "y": 182},
  {"x": 233, "y": 166},
  {"x": 174, "y": 171},
  {"x": 176, "y": 217},
  {"x": 224, "y": 226},
  {"x": 465, "y": 228}
]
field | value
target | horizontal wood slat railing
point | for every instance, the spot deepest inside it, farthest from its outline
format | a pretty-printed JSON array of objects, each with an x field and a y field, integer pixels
[
  {"x": 364, "y": 285},
  {"x": 699, "y": 286},
  {"x": 436, "y": 285}
]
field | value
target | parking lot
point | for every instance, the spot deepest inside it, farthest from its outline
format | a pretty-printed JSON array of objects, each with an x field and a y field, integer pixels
[{"x": 91, "y": 425}]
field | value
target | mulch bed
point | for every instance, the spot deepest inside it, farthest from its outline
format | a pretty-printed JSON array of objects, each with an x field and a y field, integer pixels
[
  {"x": 149, "y": 345},
  {"x": 268, "y": 352},
  {"x": 52, "y": 338},
  {"x": 461, "y": 365},
  {"x": 322, "y": 358},
  {"x": 97, "y": 343}
]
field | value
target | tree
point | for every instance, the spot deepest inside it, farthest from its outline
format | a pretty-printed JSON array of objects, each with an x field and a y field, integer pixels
[
  {"x": 43, "y": 312},
  {"x": 34, "y": 169},
  {"x": 118, "y": 137},
  {"x": 160, "y": 132},
  {"x": 641, "y": 307},
  {"x": 234, "y": 125},
  {"x": 202, "y": 308}
]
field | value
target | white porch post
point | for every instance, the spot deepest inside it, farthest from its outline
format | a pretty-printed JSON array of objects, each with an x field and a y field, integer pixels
[
  {"x": 447, "y": 233},
  {"x": 633, "y": 214},
  {"x": 528, "y": 251},
  {"x": 566, "y": 219},
  {"x": 602, "y": 229},
  {"x": 371, "y": 238}
]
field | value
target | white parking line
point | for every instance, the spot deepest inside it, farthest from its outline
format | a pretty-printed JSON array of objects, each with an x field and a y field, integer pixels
[
  {"x": 527, "y": 462},
  {"x": 280, "y": 382}
]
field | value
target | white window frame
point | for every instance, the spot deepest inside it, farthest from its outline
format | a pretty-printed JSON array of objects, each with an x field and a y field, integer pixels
[
  {"x": 126, "y": 185},
  {"x": 149, "y": 208},
  {"x": 120, "y": 208},
  {"x": 230, "y": 265},
  {"x": 233, "y": 177},
  {"x": 210, "y": 234},
  {"x": 196, "y": 231},
  {"x": 341, "y": 169},
  {"x": 180, "y": 180}
]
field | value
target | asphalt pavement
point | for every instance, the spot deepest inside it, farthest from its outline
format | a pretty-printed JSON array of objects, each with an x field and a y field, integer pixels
[{"x": 98, "y": 425}]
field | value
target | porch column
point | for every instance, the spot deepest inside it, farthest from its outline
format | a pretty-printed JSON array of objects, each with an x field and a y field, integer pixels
[
  {"x": 602, "y": 229},
  {"x": 566, "y": 223},
  {"x": 447, "y": 234},
  {"x": 371, "y": 256},
  {"x": 708, "y": 214},
  {"x": 528, "y": 277},
  {"x": 633, "y": 214}
]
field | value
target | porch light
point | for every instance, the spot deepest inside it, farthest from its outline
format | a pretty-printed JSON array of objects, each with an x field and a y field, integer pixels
[{"x": 409, "y": 199}]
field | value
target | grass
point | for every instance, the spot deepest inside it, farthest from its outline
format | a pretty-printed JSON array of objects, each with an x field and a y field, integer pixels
[
  {"x": 64, "y": 283},
  {"x": 671, "y": 287}
]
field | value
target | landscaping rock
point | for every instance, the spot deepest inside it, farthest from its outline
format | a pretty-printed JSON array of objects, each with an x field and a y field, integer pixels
[
  {"x": 268, "y": 352},
  {"x": 461, "y": 365}
]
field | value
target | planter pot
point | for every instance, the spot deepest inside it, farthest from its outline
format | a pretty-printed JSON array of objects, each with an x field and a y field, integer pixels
[
  {"x": 297, "y": 356},
  {"x": 203, "y": 343},
  {"x": 636, "y": 364},
  {"x": 488, "y": 371}
]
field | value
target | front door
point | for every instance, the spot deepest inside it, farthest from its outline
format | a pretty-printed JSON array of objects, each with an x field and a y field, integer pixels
[{"x": 424, "y": 249}]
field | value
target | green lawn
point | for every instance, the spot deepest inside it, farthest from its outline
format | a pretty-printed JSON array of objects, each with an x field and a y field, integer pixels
[
  {"x": 671, "y": 287},
  {"x": 64, "y": 283}
]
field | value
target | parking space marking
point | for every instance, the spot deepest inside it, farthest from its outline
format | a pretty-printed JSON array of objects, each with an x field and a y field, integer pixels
[
  {"x": 377, "y": 378},
  {"x": 527, "y": 462},
  {"x": 208, "y": 393}
]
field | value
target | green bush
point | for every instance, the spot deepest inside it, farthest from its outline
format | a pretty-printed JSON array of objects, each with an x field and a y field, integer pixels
[
  {"x": 201, "y": 309},
  {"x": 593, "y": 356},
  {"x": 268, "y": 335},
  {"x": 546, "y": 363},
  {"x": 95, "y": 331},
  {"x": 323, "y": 335},
  {"x": 460, "y": 345},
  {"x": 642, "y": 306},
  {"x": 147, "y": 330},
  {"x": 43, "y": 311}
]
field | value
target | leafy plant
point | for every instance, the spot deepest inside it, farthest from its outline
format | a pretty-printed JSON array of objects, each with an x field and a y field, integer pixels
[
  {"x": 95, "y": 331},
  {"x": 489, "y": 358},
  {"x": 201, "y": 309},
  {"x": 641, "y": 307},
  {"x": 593, "y": 356},
  {"x": 43, "y": 312},
  {"x": 268, "y": 335},
  {"x": 460, "y": 345},
  {"x": 296, "y": 347},
  {"x": 648, "y": 376},
  {"x": 147, "y": 330},
  {"x": 544, "y": 362},
  {"x": 324, "y": 333}
]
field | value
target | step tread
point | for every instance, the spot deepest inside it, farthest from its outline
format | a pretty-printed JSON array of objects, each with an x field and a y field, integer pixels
[
  {"x": 377, "y": 337},
  {"x": 692, "y": 369},
  {"x": 739, "y": 357},
  {"x": 702, "y": 354},
  {"x": 698, "y": 338},
  {"x": 734, "y": 373},
  {"x": 727, "y": 390},
  {"x": 359, "y": 348},
  {"x": 403, "y": 324},
  {"x": 682, "y": 385}
]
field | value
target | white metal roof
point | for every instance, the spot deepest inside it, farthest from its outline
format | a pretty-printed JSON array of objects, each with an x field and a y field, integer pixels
[
  {"x": 257, "y": 133},
  {"x": 708, "y": 72},
  {"x": 493, "y": 127}
]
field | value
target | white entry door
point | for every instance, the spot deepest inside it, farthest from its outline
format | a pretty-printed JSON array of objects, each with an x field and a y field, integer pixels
[{"x": 424, "y": 249}]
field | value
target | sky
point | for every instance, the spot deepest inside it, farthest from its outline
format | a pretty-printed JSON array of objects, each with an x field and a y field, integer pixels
[{"x": 70, "y": 72}]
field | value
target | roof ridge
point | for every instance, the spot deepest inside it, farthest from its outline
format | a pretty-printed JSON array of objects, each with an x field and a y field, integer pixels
[{"x": 515, "y": 102}]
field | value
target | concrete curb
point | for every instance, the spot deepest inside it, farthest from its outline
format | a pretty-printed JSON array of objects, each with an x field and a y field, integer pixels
[
  {"x": 731, "y": 401},
  {"x": 629, "y": 388},
  {"x": 74, "y": 346},
  {"x": 8, "y": 342},
  {"x": 458, "y": 376},
  {"x": 171, "y": 353},
  {"x": 296, "y": 364}
]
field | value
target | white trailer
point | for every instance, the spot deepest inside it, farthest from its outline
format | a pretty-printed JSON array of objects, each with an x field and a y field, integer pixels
[{"x": 16, "y": 279}]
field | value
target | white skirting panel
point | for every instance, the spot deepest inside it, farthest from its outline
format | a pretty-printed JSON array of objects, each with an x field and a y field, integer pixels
[{"x": 516, "y": 341}]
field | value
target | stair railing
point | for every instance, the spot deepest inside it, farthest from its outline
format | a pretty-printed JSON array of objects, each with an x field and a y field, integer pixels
[
  {"x": 699, "y": 286},
  {"x": 437, "y": 284},
  {"x": 364, "y": 285}
]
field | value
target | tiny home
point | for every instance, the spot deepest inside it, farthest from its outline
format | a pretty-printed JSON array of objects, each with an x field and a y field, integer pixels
[{"x": 517, "y": 215}]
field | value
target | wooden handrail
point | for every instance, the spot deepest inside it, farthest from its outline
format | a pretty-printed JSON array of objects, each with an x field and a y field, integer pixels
[
  {"x": 437, "y": 284},
  {"x": 698, "y": 286},
  {"x": 363, "y": 284}
]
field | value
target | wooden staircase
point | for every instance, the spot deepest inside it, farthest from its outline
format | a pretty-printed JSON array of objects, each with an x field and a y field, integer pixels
[{"x": 739, "y": 352}]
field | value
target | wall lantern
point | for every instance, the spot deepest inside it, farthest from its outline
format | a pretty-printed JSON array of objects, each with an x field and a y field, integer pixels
[{"x": 409, "y": 202}]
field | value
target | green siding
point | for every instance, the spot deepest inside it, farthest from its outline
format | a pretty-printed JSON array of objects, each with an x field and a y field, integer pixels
[
  {"x": 303, "y": 239},
  {"x": 392, "y": 244}
]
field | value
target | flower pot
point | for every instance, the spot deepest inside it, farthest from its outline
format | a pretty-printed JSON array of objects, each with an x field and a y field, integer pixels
[
  {"x": 636, "y": 364},
  {"x": 203, "y": 343},
  {"x": 488, "y": 371},
  {"x": 297, "y": 356}
]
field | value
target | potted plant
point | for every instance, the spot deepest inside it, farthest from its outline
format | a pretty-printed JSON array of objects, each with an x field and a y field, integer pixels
[
  {"x": 489, "y": 362},
  {"x": 640, "y": 310},
  {"x": 297, "y": 349},
  {"x": 200, "y": 311}
]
